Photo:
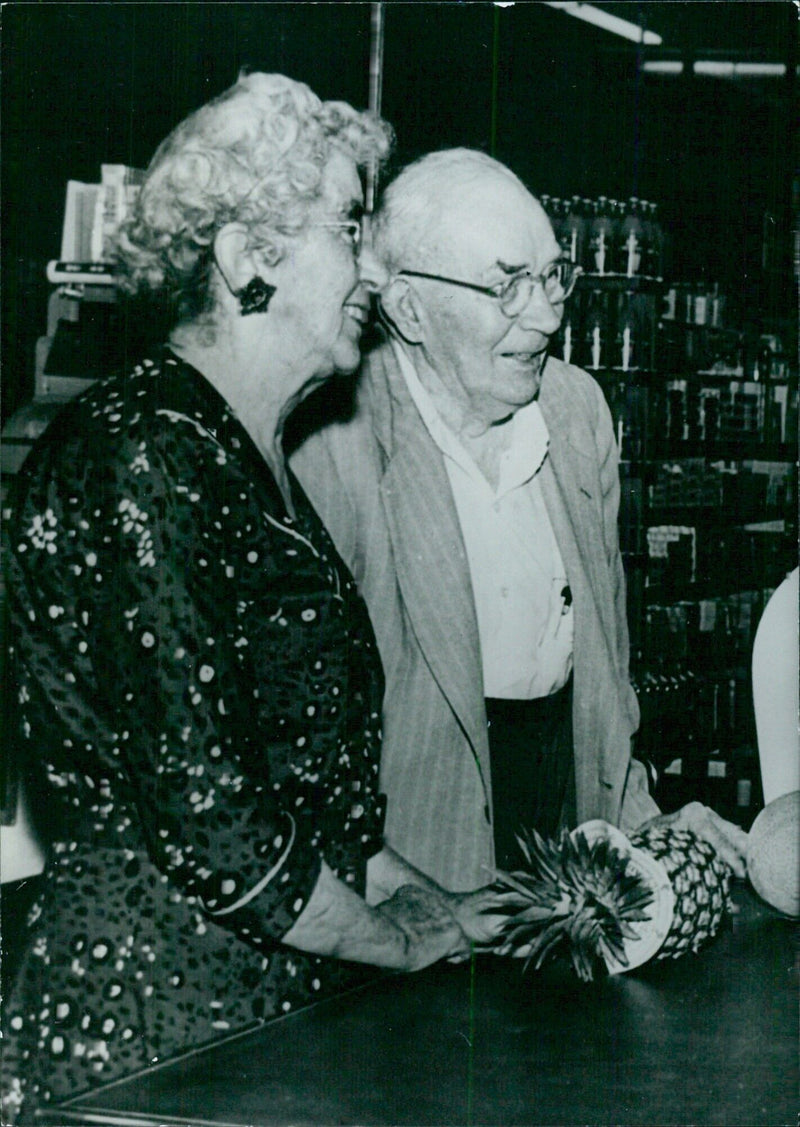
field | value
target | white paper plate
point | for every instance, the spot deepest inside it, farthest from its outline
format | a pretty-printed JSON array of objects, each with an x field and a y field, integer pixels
[{"x": 653, "y": 931}]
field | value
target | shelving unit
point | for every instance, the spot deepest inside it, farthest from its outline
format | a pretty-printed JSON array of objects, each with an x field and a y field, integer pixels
[{"x": 707, "y": 529}]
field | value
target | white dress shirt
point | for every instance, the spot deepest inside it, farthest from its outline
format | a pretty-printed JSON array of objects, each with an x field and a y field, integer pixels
[{"x": 519, "y": 583}]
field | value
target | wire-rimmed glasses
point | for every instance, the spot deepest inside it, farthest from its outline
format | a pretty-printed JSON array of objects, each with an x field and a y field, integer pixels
[{"x": 557, "y": 280}]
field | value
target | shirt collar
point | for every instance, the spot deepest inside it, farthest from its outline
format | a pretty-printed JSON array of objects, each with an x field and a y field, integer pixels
[{"x": 529, "y": 435}]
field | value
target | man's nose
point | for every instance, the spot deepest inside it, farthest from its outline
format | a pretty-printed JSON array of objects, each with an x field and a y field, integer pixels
[
  {"x": 373, "y": 274},
  {"x": 540, "y": 313},
  {"x": 370, "y": 270}
]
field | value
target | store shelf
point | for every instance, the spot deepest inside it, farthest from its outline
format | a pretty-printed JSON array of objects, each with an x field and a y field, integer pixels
[
  {"x": 693, "y": 326},
  {"x": 746, "y": 448},
  {"x": 699, "y": 590},
  {"x": 80, "y": 273},
  {"x": 621, "y": 283}
]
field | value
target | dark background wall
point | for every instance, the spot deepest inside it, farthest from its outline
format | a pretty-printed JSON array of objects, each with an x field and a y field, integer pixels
[{"x": 564, "y": 104}]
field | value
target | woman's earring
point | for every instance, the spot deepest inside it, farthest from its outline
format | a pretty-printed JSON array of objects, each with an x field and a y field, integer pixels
[{"x": 255, "y": 296}]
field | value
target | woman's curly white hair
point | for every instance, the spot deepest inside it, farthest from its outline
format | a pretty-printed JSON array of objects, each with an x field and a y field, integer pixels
[{"x": 254, "y": 155}]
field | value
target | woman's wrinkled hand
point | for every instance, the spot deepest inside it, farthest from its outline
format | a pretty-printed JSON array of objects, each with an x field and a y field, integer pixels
[
  {"x": 429, "y": 925},
  {"x": 728, "y": 840}
]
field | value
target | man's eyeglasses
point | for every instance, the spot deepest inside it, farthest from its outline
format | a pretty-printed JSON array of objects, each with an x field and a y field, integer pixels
[
  {"x": 557, "y": 281},
  {"x": 350, "y": 228}
]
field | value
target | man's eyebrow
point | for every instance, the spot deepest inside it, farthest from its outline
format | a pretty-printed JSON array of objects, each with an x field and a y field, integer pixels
[{"x": 507, "y": 268}]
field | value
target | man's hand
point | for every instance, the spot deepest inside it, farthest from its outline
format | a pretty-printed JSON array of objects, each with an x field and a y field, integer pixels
[
  {"x": 728, "y": 840},
  {"x": 481, "y": 914}
]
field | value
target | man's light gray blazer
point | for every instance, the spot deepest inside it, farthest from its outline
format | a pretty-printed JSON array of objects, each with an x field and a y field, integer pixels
[{"x": 380, "y": 484}]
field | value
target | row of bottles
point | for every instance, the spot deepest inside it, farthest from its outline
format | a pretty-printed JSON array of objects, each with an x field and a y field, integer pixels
[
  {"x": 732, "y": 411},
  {"x": 706, "y": 634},
  {"x": 691, "y": 346},
  {"x": 695, "y": 303},
  {"x": 602, "y": 329},
  {"x": 608, "y": 236},
  {"x": 704, "y": 556},
  {"x": 698, "y": 732}
]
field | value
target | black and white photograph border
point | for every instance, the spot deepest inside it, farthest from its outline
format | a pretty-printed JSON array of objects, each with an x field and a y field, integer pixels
[{"x": 657, "y": 140}]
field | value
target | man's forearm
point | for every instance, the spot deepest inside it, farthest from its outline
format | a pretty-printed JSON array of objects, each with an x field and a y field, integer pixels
[
  {"x": 337, "y": 922},
  {"x": 411, "y": 928},
  {"x": 387, "y": 871}
]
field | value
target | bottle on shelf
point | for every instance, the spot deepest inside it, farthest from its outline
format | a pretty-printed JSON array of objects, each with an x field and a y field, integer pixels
[
  {"x": 617, "y": 209},
  {"x": 709, "y": 414},
  {"x": 632, "y": 252},
  {"x": 654, "y": 240},
  {"x": 596, "y": 345},
  {"x": 700, "y": 301},
  {"x": 601, "y": 237},
  {"x": 574, "y": 231},
  {"x": 676, "y": 410},
  {"x": 567, "y": 339},
  {"x": 628, "y": 339}
]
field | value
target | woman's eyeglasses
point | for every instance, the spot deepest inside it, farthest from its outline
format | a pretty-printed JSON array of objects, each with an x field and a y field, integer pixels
[{"x": 557, "y": 280}]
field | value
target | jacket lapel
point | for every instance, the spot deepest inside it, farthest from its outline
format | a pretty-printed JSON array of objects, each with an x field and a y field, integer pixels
[
  {"x": 430, "y": 558},
  {"x": 569, "y": 486}
]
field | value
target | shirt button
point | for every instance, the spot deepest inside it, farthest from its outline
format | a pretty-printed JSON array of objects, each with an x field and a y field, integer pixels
[{"x": 504, "y": 592}]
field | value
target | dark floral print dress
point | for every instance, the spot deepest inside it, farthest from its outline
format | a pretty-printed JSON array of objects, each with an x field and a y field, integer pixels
[{"x": 199, "y": 695}]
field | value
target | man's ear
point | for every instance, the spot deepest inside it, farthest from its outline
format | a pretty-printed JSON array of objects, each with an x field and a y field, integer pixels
[
  {"x": 237, "y": 264},
  {"x": 404, "y": 311}
]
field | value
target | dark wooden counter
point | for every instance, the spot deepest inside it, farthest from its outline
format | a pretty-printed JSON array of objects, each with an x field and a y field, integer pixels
[{"x": 711, "y": 1039}]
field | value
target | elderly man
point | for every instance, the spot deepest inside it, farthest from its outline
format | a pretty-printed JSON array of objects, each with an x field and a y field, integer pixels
[{"x": 474, "y": 493}]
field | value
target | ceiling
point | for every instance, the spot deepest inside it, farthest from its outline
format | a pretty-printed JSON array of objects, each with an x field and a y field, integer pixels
[{"x": 762, "y": 31}]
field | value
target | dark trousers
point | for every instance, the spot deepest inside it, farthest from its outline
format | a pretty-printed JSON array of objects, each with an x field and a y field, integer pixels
[{"x": 533, "y": 774}]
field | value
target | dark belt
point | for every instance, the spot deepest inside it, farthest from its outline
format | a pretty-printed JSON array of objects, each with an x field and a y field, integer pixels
[{"x": 532, "y": 763}]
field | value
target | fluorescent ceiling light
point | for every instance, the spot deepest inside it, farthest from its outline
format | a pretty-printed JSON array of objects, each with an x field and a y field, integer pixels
[
  {"x": 663, "y": 66},
  {"x": 719, "y": 68},
  {"x": 601, "y": 18}
]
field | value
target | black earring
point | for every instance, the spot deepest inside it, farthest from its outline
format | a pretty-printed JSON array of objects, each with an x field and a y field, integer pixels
[{"x": 255, "y": 296}]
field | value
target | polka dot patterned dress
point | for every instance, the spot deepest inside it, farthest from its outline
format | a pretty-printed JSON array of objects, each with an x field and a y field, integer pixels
[{"x": 198, "y": 694}]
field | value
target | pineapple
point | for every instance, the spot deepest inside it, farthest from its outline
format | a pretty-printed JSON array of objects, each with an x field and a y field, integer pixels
[
  {"x": 700, "y": 881},
  {"x": 614, "y": 903}
]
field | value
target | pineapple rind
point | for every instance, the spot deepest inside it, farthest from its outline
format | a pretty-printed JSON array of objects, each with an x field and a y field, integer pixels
[{"x": 700, "y": 881}]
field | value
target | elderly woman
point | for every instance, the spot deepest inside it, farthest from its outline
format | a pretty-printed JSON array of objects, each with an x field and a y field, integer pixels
[{"x": 198, "y": 681}]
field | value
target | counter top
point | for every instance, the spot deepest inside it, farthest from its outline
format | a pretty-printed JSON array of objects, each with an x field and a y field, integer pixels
[{"x": 706, "y": 1039}]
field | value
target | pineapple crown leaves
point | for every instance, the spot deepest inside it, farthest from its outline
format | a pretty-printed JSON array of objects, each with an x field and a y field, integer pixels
[{"x": 585, "y": 897}]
